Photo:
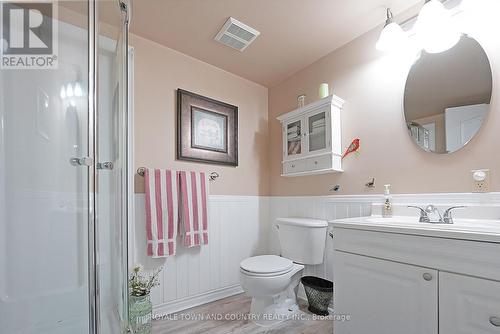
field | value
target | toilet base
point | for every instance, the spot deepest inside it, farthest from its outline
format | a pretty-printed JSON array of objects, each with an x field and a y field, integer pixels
[
  {"x": 274, "y": 299},
  {"x": 269, "y": 311}
]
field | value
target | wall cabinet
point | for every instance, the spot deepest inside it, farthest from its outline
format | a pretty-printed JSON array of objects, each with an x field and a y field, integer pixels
[
  {"x": 392, "y": 283},
  {"x": 312, "y": 138}
]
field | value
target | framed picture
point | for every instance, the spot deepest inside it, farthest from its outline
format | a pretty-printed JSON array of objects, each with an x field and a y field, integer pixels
[{"x": 207, "y": 130}]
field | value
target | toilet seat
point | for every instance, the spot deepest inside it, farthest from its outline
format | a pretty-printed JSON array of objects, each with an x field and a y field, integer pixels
[{"x": 266, "y": 265}]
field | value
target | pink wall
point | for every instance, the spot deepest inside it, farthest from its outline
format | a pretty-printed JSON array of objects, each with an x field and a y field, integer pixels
[
  {"x": 159, "y": 71},
  {"x": 372, "y": 84}
]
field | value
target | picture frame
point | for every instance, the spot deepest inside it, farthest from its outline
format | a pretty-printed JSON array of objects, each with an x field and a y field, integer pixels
[{"x": 207, "y": 130}]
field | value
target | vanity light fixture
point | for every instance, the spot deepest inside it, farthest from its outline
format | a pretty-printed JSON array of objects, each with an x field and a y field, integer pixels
[
  {"x": 435, "y": 29},
  {"x": 392, "y": 36}
]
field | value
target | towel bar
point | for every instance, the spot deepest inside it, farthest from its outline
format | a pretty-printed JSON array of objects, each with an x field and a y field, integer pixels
[{"x": 211, "y": 177}]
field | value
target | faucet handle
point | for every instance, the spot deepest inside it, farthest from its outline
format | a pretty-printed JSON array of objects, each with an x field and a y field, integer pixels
[
  {"x": 448, "y": 218},
  {"x": 424, "y": 217}
]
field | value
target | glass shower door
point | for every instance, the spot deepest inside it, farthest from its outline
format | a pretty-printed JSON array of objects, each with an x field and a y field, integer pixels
[
  {"x": 63, "y": 242},
  {"x": 111, "y": 202},
  {"x": 44, "y": 239}
]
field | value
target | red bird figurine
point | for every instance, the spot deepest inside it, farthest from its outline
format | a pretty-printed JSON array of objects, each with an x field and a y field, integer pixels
[{"x": 354, "y": 147}]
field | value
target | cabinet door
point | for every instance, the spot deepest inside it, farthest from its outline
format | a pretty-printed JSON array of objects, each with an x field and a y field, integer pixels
[
  {"x": 384, "y": 297},
  {"x": 293, "y": 139},
  {"x": 318, "y": 132},
  {"x": 468, "y": 305}
]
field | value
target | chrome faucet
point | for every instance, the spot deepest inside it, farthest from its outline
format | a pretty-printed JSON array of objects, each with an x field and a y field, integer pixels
[{"x": 432, "y": 215}]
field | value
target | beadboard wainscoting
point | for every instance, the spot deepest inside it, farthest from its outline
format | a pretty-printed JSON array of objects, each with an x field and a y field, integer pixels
[
  {"x": 243, "y": 226},
  {"x": 238, "y": 228}
]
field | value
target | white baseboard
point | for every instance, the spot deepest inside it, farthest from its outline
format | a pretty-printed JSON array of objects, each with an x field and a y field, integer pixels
[{"x": 193, "y": 301}]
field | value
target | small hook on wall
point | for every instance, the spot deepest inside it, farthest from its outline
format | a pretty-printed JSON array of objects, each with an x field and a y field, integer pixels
[
  {"x": 335, "y": 188},
  {"x": 370, "y": 184}
]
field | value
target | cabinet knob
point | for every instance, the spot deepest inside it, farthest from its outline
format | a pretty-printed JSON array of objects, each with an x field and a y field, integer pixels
[
  {"x": 293, "y": 166},
  {"x": 427, "y": 276},
  {"x": 316, "y": 162},
  {"x": 495, "y": 321}
]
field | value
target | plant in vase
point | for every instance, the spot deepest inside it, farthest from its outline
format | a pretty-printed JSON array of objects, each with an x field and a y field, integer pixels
[{"x": 140, "y": 306}]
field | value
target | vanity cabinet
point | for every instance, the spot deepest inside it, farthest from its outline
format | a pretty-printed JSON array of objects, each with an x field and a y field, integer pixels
[
  {"x": 468, "y": 305},
  {"x": 384, "y": 297},
  {"x": 312, "y": 138},
  {"x": 411, "y": 284}
]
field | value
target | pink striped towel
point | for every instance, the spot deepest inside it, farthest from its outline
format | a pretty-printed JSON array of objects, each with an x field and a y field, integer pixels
[
  {"x": 193, "y": 208},
  {"x": 161, "y": 211}
]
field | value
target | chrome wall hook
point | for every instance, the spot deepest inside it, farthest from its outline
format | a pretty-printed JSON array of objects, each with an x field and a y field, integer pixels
[{"x": 370, "y": 184}]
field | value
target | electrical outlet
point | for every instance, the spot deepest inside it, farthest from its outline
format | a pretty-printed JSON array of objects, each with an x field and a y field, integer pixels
[{"x": 480, "y": 180}]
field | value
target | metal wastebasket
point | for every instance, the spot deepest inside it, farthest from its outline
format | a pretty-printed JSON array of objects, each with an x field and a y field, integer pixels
[{"x": 319, "y": 293}]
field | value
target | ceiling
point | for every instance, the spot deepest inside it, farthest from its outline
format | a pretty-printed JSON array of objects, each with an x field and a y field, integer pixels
[{"x": 294, "y": 33}]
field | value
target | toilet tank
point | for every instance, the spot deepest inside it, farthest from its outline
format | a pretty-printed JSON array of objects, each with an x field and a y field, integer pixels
[{"x": 302, "y": 240}]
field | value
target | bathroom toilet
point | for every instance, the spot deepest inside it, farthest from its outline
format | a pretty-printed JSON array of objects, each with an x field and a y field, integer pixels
[{"x": 272, "y": 281}]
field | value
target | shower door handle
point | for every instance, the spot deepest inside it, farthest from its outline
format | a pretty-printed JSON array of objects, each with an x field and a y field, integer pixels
[
  {"x": 85, "y": 161},
  {"x": 105, "y": 165}
]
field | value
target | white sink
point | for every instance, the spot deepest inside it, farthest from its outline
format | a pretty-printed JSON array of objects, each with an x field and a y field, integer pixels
[
  {"x": 392, "y": 220},
  {"x": 467, "y": 229}
]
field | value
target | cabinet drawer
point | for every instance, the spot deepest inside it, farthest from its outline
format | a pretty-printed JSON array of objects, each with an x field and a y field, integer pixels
[
  {"x": 468, "y": 305},
  {"x": 453, "y": 255},
  {"x": 296, "y": 166},
  {"x": 320, "y": 162}
]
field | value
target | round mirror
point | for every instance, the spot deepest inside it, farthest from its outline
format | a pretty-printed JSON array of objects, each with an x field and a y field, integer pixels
[{"x": 447, "y": 96}]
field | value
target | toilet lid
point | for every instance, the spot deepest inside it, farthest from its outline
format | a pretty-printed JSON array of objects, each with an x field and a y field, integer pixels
[{"x": 266, "y": 264}]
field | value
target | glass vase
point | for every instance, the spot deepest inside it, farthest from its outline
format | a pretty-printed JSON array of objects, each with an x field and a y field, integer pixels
[{"x": 140, "y": 314}]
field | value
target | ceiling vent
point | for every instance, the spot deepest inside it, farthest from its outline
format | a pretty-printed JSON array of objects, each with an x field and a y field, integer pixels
[{"x": 236, "y": 35}]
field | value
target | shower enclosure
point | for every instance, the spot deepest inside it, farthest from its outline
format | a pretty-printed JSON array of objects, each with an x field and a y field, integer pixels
[{"x": 63, "y": 177}]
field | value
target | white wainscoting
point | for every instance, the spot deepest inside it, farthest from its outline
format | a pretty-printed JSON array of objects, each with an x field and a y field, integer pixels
[
  {"x": 243, "y": 226},
  {"x": 238, "y": 228}
]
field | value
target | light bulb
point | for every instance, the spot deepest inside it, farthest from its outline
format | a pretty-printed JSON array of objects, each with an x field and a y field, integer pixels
[
  {"x": 69, "y": 90},
  {"x": 435, "y": 29},
  {"x": 63, "y": 93},
  {"x": 392, "y": 36},
  {"x": 78, "y": 90}
]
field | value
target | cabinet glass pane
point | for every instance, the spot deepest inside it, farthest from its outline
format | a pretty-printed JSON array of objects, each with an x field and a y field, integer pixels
[
  {"x": 293, "y": 138},
  {"x": 317, "y": 132}
]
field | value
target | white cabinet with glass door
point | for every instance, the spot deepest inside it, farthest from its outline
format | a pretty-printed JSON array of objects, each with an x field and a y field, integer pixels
[{"x": 312, "y": 138}]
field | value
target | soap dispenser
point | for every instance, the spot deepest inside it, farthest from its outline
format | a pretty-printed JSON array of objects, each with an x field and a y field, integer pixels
[{"x": 387, "y": 207}]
